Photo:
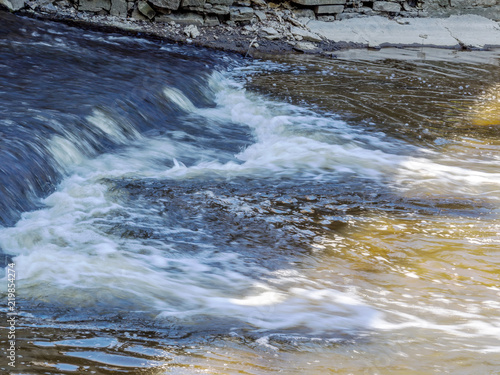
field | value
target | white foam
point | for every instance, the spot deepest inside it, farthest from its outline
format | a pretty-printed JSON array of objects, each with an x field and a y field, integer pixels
[
  {"x": 177, "y": 97},
  {"x": 64, "y": 255},
  {"x": 120, "y": 132}
]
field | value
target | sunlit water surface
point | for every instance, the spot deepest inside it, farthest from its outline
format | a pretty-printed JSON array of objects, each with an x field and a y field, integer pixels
[{"x": 178, "y": 211}]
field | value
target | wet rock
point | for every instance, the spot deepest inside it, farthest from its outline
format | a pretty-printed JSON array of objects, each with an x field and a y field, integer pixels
[
  {"x": 329, "y": 9},
  {"x": 182, "y": 18},
  {"x": 386, "y": 6},
  {"x": 191, "y": 31},
  {"x": 304, "y": 34},
  {"x": 12, "y": 5},
  {"x": 238, "y": 14},
  {"x": 145, "y": 9},
  {"x": 118, "y": 8},
  {"x": 166, "y": 4},
  {"x": 94, "y": 5}
]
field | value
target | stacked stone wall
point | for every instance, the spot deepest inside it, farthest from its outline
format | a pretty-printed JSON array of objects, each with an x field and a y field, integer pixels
[{"x": 214, "y": 12}]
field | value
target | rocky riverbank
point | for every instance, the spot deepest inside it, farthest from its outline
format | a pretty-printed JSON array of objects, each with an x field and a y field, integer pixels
[{"x": 253, "y": 27}]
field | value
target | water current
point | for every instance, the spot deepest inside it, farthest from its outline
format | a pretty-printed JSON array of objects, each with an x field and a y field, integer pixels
[{"x": 173, "y": 210}]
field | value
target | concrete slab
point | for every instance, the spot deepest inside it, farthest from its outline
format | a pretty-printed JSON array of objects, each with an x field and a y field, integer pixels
[
  {"x": 377, "y": 31},
  {"x": 474, "y": 31}
]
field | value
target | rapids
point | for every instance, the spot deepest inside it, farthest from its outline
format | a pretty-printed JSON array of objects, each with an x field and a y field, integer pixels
[{"x": 172, "y": 210}]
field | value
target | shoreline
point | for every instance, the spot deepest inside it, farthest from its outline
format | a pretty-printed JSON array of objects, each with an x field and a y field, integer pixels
[{"x": 462, "y": 33}]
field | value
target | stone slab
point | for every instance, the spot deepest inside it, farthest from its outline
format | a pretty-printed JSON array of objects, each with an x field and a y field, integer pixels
[
  {"x": 386, "y": 6},
  {"x": 304, "y": 34},
  {"x": 221, "y": 2},
  {"x": 218, "y": 9},
  {"x": 94, "y": 5},
  {"x": 138, "y": 15},
  {"x": 241, "y": 14},
  {"x": 378, "y": 31},
  {"x": 319, "y": 2},
  {"x": 211, "y": 20},
  {"x": 166, "y": 4},
  {"x": 182, "y": 18},
  {"x": 119, "y": 8},
  {"x": 329, "y": 9},
  {"x": 145, "y": 9},
  {"x": 192, "y": 3}
]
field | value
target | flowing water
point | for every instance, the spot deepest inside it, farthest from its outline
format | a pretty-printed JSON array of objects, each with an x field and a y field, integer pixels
[{"x": 171, "y": 210}]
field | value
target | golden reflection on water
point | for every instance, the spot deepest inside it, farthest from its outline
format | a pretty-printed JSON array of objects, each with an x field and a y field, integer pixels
[{"x": 487, "y": 111}]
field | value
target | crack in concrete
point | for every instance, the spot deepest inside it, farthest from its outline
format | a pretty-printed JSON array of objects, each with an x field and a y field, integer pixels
[{"x": 461, "y": 43}]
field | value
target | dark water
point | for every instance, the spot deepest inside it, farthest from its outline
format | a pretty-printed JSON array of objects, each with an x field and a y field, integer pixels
[{"x": 176, "y": 210}]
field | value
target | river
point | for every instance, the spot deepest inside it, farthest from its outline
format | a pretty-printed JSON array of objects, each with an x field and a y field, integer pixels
[{"x": 172, "y": 210}]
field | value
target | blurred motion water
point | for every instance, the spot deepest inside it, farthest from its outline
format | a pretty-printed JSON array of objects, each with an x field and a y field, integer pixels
[{"x": 172, "y": 210}]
